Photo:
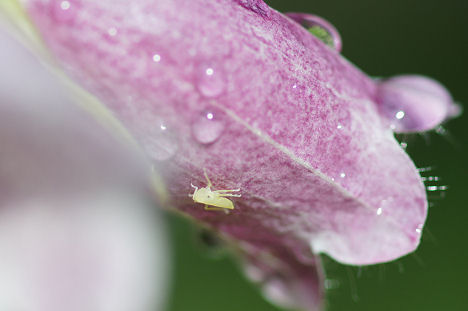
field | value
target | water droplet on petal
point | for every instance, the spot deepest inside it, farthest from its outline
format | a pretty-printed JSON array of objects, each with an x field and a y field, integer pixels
[
  {"x": 320, "y": 28},
  {"x": 112, "y": 31},
  {"x": 64, "y": 11},
  {"x": 156, "y": 58},
  {"x": 160, "y": 142},
  {"x": 210, "y": 80},
  {"x": 208, "y": 126},
  {"x": 419, "y": 228},
  {"x": 65, "y": 5},
  {"x": 400, "y": 115},
  {"x": 145, "y": 60},
  {"x": 342, "y": 175},
  {"x": 385, "y": 206}
]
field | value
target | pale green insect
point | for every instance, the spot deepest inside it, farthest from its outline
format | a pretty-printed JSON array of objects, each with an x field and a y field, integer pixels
[{"x": 214, "y": 198}]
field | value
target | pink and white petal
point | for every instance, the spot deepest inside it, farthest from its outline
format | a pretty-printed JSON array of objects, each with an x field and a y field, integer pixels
[{"x": 76, "y": 231}]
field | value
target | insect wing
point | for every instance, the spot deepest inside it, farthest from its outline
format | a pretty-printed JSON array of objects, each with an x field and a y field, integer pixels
[{"x": 221, "y": 202}]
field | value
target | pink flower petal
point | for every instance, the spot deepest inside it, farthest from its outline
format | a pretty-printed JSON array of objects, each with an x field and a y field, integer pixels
[{"x": 414, "y": 103}]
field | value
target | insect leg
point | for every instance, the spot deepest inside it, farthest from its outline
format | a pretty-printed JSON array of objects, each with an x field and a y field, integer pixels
[
  {"x": 208, "y": 208},
  {"x": 229, "y": 195},
  {"x": 207, "y": 179},
  {"x": 220, "y": 191},
  {"x": 196, "y": 188}
]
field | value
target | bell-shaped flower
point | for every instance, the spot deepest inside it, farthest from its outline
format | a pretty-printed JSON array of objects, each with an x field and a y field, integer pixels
[{"x": 264, "y": 103}]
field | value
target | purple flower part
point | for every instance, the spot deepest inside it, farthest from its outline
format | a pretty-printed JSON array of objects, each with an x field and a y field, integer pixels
[
  {"x": 414, "y": 103},
  {"x": 298, "y": 129}
]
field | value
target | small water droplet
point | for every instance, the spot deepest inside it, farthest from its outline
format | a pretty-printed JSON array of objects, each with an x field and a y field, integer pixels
[
  {"x": 210, "y": 80},
  {"x": 320, "y": 28},
  {"x": 65, "y": 5},
  {"x": 400, "y": 115},
  {"x": 395, "y": 115},
  {"x": 208, "y": 126},
  {"x": 64, "y": 11},
  {"x": 419, "y": 228},
  {"x": 149, "y": 50},
  {"x": 342, "y": 175},
  {"x": 156, "y": 58},
  {"x": 385, "y": 206},
  {"x": 160, "y": 142},
  {"x": 112, "y": 31},
  {"x": 339, "y": 126}
]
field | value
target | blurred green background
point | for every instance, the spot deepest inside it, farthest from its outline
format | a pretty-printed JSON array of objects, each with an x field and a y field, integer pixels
[{"x": 383, "y": 38}]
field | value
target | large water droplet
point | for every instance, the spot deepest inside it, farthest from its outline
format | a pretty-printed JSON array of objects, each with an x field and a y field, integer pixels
[
  {"x": 64, "y": 11},
  {"x": 210, "y": 79},
  {"x": 208, "y": 126},
  {"x": 320, "y": 28},
  {"x": 160, "y": 142}
]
